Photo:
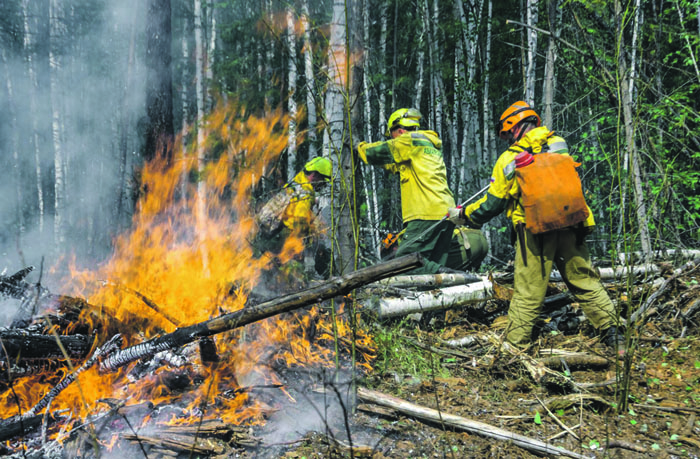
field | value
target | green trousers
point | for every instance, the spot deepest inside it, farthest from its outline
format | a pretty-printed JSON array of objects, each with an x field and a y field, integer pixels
[
  {"x": 441, "y": 246},
  {"x": 573, "y": 262}
]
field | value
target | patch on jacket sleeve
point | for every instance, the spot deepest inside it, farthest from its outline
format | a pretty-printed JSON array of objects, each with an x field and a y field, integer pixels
[
  {"x": 509, "y": 170},
  {"x": 559, "y": 146}
]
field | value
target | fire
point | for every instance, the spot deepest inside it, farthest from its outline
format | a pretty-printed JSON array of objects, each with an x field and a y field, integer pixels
[{"x": 186, "y": 259}]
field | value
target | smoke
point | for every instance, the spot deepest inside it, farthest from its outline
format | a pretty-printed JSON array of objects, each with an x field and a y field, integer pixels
[{"x": 69, "y": 99}]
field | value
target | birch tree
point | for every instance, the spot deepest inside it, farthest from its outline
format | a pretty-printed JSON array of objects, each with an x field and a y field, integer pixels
[
  {"x": 29, "y": 33},
  {"x": 199, "y": 77},
  {"x": 549, "y": 83},
  {"x": 343, "y": 228},
  {"x": 291, "y": 94},
  {"x": 56, "y": 33},
  {"x": 370, "y": 182},
  {"x": 626, "y": 72},
  {"x": 311, "y": 116},
  {"x": 14, "y": 148},
  {"x": 531, "y": 14}
]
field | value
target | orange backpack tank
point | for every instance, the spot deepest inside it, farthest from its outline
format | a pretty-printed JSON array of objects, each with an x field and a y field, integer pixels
[{"x": 551, "y": 191}]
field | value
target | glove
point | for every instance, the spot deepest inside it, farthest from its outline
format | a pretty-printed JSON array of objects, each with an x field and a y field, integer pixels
[
  {"x": 359, "y": 148},
  {"x": 456, "y": 216}
]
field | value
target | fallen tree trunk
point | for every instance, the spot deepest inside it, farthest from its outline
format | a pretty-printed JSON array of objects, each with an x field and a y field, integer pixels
[
  {"x": 619, "y": 272},
  {"x": 430, "y": 281},
  {"x": 331, "y": 288},
  {"x": 459, "y": 422},
  {"x": 449, "y": 297}
]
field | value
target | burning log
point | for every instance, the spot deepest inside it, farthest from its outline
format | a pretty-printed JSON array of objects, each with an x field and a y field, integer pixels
[
  {"x": 28, "y": 420},
  {"x": 330, "y": 289},
  {"x": 20, "y": 344},
  {"x": 459, "y": 422}
]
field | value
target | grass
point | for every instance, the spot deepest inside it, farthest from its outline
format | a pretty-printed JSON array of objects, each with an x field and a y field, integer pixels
[{"x": 396, "y": 355}]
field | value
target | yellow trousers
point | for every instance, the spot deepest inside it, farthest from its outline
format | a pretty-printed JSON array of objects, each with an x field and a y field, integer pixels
[{"x": 573, "y": 262}]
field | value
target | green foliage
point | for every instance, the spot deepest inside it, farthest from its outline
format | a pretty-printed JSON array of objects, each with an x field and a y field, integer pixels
[{"x": 396, "y": 355}]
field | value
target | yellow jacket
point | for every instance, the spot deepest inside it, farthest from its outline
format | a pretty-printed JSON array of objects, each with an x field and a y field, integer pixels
[
  {"x": 504, "y": 192},
  {"x": 299, "y": 213},
  {"x": 417, "y": 158}
]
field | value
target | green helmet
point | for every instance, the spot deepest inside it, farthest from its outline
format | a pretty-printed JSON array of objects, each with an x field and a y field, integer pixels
[
  {"x": 321, "y": 165},
  {"x": 403, "y": 117}
]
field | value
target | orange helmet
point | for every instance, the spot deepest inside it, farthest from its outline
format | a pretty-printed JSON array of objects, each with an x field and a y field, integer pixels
[{"x": 513, "y": 115}]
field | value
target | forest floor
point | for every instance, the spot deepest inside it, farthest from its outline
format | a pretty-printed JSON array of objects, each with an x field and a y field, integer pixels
[
  {"x": 645, "y": 404},
  {"x": 658, "y": 415}
]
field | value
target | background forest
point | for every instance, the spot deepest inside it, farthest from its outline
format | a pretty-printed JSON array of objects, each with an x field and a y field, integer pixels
[{"x": 95, "y": 88}]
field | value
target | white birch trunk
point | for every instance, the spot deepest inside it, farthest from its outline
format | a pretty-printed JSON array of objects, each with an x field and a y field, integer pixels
[
  {"x": 211, "y": 49},
  {"x": 341, "y": 228},
  {"x": 291, "y": 94},
  {"x": 310, "y": 80},
  {"x": 199, "y": 77},
  {"x": 690, "y": 47},
  {"x": 184, "y": 96},
  {"x": 489, "y": 151},
  {"x": 31, "y": 73},
  {"x": 531, "y": 65},
  {"x": 445, "y": 298},
  {"x": 628, "y": 107},
  {"x": 370, "y": 184},
  {"x": 471, "y": 142},
  {"x": 383, "y": 37},
  {"x": 420, "y": 80},
  {"x": 14, "y": 146},
  {"x": 55, "y": 33},
  {"x": 549, "y": 84}
]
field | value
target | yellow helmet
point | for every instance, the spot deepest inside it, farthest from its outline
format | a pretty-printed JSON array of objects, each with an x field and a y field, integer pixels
[
  {"x": 513, "y": 115},
  {"x": 321, "y": 165},
  {"x": 403, "y": 117}
]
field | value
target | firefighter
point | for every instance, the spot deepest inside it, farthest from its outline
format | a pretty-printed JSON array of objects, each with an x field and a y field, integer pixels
[
  {"x": 520, "y": 126},
  {"x": 293, "y": 211},
  {"x": 416, "y": 155}
]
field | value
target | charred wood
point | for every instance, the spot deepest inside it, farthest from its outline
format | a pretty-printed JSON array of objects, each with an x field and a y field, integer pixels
[
  {"x": 18, "y": 344},
  {"x": 330, "y": 289}
]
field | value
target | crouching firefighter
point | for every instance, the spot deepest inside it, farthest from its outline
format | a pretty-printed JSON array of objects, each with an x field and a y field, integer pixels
[
  {"x": 536, "y": 183},
  {"x": 294, "y": 212}
]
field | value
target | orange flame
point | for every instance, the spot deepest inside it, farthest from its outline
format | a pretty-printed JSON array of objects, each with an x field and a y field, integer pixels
[{"x": 188, "y": 254}]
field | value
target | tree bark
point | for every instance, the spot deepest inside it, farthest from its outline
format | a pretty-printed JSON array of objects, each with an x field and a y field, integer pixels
[
  {"x": 448, "y": 297},
  {"x": 291, "y": 94},
  {"x": 310, "y": 80}
]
